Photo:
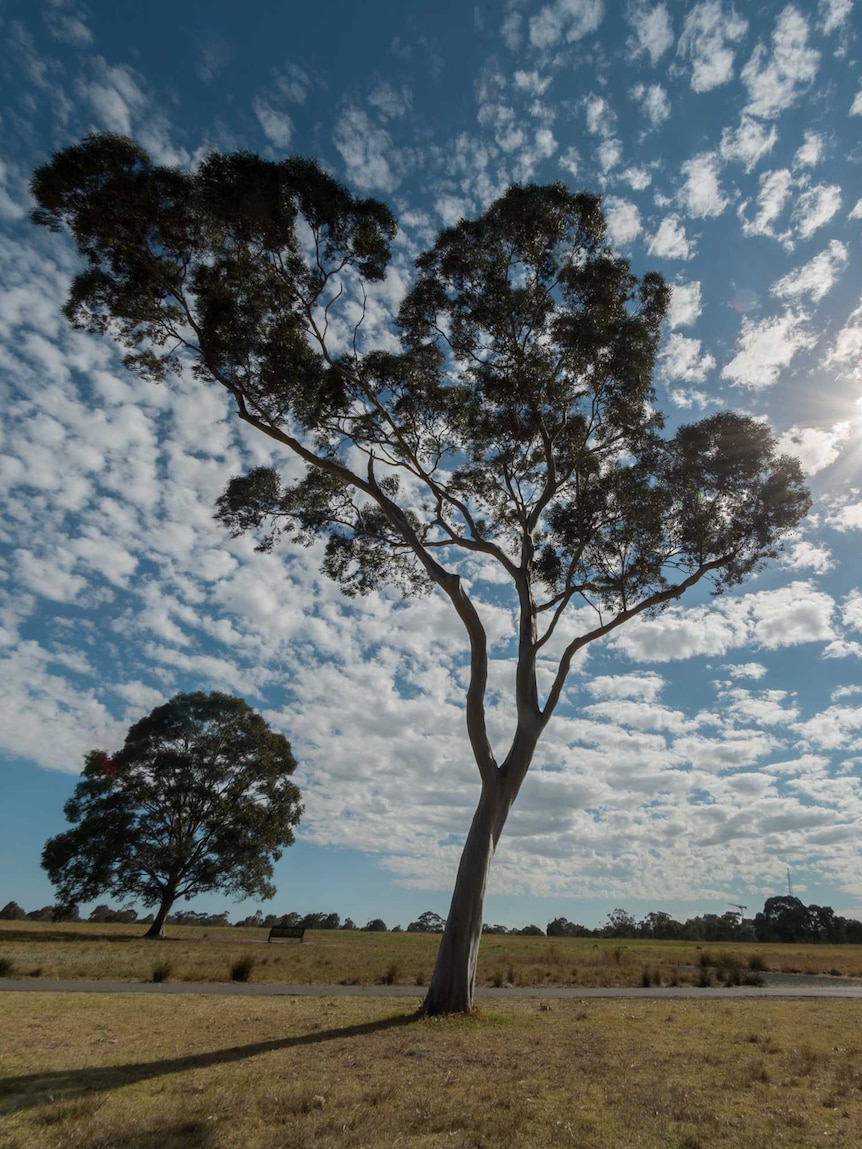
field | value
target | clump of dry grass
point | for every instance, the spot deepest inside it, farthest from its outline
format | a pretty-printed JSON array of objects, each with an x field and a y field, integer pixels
[
  {"x": 162, "y": 970},
  {"x": 241, "y": 969}
]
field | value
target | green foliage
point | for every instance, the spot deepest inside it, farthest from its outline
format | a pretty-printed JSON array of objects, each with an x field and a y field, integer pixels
[
  {"x": 12, "y": 912},
  {"x": 519, "y": 401},
  {"x": 427, "y": 923},
  {"x": 199, "y": 798}
]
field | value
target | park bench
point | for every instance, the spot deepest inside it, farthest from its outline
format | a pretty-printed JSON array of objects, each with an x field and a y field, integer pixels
[{"x": 286, "y": 932}]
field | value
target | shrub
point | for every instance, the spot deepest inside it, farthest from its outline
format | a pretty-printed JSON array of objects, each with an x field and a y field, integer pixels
[
  {"x": 240, "y": 969},
  {"x": 6, "y": 967},
  {"x": 390, "y": 976},
  {"x": 704, "y": 978},
  {"x": 756, "y": 963},
  {"x": 162, "y": 970},
  {"x": 704, "y": 959}
]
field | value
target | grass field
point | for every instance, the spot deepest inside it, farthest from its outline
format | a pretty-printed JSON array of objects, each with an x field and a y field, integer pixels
[
  {"x": 122, "y": 1071},
  {"x": 190, "y": 953}
]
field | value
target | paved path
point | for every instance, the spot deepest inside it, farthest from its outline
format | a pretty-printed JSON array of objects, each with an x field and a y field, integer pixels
[{"x": 276, "y": 989}]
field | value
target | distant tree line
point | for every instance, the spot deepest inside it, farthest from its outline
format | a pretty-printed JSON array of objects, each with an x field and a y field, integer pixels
[{"x": 782, "y": 919}]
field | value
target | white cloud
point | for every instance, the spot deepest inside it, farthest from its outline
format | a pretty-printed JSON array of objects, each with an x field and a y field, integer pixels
[
  {"x": 847, "y": 348},
  {"x": 567, "y": 20},
  {"x": 116, "y": 96},
  {"x": 685, "y": 305},
  {"x": 670, "y": 241},
  {"x": 815, "y": 207},
  {"x": 815, "y": 278},
  {"x": 747, "y": 670},
  {"x": 810, "y": 152},
  {"x": 689, "y": 397},
  {"x": 771, "y": 620},
  {"x": 390, "y": 102},
  {"x": 10, "y": 208},
  {"x": 856, "y": 210},
  {"x": 856, "y": 106},
  {"x": 701, "y": 196},
  {"x": 639, "y": 178},
  {"x": 532, "y": 82},
  {"x": 653, "y": 102},
  {"x": 609, "y": 154},
  {"x": 710, "y": 30},
  {"x": 293, "y": 83},
  {"x": 815, "y": 447},
  {"x": 653, "y": 29},
  {"x": 277, "y": 126},
  {"x": 372, "y": 161},
  {"x": 775, "y": 83},
  {"x": 623, "y": 219},
  {"x": 845, "y": 517},
  {"x": 69, "y": 28},
  {"x": 851, "y": 611},
  {"x": 748, "y": 143},
  {"x": 765, "y": 346},
  {"x": 601, "y": 118},
  {"x": 681, "y": 358},
  {"x": 644, "y": 687},
  {"x": 834, "y": 13},
  {"x": 772, "y": 199},
  {"x": 570, "y": 161},
  {"x": 805, "y": 555}
]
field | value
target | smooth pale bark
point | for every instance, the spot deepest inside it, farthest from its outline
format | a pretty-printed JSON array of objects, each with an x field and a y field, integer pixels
[{"x": 454, "y": 978}]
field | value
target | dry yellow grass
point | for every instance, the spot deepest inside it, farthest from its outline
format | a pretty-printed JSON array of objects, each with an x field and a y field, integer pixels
[
  {"x": 104, "y": 1072},
  {"x": 119, "y": 952}
]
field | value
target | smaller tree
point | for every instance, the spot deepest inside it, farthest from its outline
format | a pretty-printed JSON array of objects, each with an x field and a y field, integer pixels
[
  {"x": 427, "y": 923},
  {"x": 376, "y": 926},
  {"x": 620, "y": 924},
  {"x": 198, "y": 799},
  {"x": 12, "y": 912}
]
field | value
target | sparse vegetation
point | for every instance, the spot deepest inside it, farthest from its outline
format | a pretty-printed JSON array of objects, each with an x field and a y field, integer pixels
[
  {"x": 6, "y": 966},
  {"x": 162, "y": 970},
  {"x": 355, "y": 1073},
  {"x": 117, "y": 952},
  {"x": 241, "y": 968}
]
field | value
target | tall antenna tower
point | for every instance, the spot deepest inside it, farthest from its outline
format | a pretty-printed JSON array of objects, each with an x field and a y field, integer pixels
[{"x": 789, "y": 884}]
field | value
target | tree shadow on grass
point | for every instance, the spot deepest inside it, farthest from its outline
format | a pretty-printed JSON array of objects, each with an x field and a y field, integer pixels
[{"x": 31, "y": 1089}]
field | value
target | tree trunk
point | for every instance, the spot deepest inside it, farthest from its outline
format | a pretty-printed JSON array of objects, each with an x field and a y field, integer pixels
[
  {"x": 453, "y": 981},
  {"x": 157, "y": 929}
]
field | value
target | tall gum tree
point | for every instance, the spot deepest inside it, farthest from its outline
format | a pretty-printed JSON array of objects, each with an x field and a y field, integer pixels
[{"x": 508, "y": 416}]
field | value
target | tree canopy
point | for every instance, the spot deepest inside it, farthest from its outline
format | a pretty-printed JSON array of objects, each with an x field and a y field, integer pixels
[
  {"x": 199, "y": 798},
  {"x": 506, "y": 417}
]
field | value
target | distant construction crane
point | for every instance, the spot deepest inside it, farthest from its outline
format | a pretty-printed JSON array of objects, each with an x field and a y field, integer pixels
[{"x": 741, "y": 909}]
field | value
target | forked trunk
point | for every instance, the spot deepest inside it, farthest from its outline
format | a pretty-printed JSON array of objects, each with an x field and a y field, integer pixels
[
  {"x": 157, "y": 929},
  {"x": 451, "y": 988}
]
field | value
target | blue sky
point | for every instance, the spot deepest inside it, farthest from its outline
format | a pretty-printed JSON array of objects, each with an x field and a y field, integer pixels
[{"x": 696, "y": 756}]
